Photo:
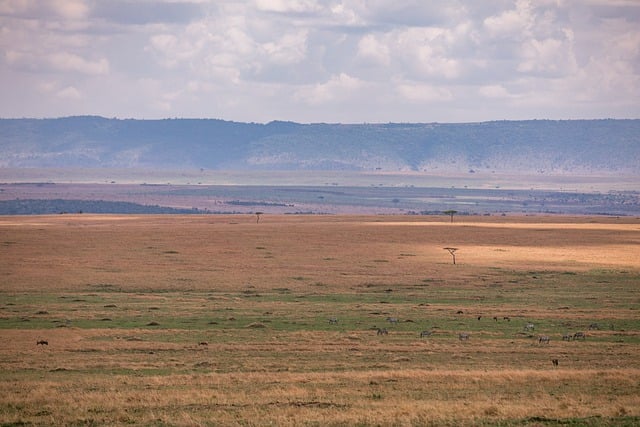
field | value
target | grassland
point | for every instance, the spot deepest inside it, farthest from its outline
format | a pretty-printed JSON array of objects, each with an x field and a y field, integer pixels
[{"x": 219, "y": 320}]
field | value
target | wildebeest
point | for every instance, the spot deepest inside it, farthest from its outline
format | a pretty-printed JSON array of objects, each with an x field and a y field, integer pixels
[
  {"x": 425, "y": 334},
  {"x": 203, "y": 343},
  {"x": 382, "y": 331},
  {"x": 555, "y": 362},
  {"x": 579, "y": 335},
  {"x": 463, "y": 336},
  {"x": 42, "y": 342},
  {"x": 333, "y": 320},
  {"x": 543, "y": 339},
  {"x": 566, "y": 337},
  {"x": 594, "y": 326},
  {"x": 507, "y": 318}
]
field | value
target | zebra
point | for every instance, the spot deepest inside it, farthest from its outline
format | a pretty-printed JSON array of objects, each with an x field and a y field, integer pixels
[
  {"x": 42, "y": 342},
  {"x": 463, "y": 336},
  {"x": 594, "y": 326},
  {"x": 425, "y": 334},
  {"x": 543, "y": 339},
  {"x": 333, "y": 320},
  {"x": 382, "y": 331},
  {"x": 392, "y": 319},
  {"x": 578, "y": 335},
  {"x": 566, "y": 337},
  {"x": 529, "y": 327}
]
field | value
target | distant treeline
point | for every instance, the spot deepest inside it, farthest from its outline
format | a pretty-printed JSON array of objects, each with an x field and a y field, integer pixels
[{"x": 61, "y": 206}]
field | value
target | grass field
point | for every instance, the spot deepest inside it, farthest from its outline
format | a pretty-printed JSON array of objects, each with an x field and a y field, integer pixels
[{"x": 220, "y": 320}]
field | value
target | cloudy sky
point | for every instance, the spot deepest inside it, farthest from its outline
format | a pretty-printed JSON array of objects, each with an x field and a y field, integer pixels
[{"x": 349, "y": 61}]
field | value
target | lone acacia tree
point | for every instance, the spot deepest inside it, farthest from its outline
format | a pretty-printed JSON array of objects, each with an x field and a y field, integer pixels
[
  {"x": 452, "y": 251},
  {"x": 451, "y": 213},
  {"x": 258, "y": 217}
]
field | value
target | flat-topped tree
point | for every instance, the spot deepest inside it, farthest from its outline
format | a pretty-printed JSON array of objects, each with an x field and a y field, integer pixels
[
  {"x": 452, "y": 251},
  {"x": 258, "y": 216},
  {"x": 451, "y": 213}
]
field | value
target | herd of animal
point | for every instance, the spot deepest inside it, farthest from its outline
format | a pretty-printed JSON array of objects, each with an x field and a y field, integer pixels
[{"x": 464, "y": 336}]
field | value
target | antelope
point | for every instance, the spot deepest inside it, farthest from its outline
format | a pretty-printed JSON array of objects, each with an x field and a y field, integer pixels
[
  {"x": 382, "y": 331},
  {"x": 425, "y": 334},
  {"x": 463, "y": 336},
  {"x": 543, "y": 339},
  {"x": 42, "y": 342}
]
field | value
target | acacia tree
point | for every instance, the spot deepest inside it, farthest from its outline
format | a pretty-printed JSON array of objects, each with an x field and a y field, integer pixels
[
  {"x": 258, "y": 217},
  {"x": 452, "y": 251},
  {"x": 451, "y": 213}
]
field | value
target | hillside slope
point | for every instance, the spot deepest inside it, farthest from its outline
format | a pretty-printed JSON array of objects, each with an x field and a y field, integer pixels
[{"x": 533, "y": 147}]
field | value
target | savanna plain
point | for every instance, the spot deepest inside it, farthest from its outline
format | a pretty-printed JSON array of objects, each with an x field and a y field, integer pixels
[{"x": 240, "y": 320}]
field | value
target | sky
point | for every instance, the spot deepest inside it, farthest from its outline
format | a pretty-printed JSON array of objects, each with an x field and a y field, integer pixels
[{"x": 310, "y": 61}]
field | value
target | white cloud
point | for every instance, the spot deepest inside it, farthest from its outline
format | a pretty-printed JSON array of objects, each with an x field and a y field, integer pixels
[
  {"x": 416, "y": 92},
  {"x": 68, "y": 62},
  {"x": 286, "y": 6},
  {"x": 494, "y": 91},
  {"x": 337, "y": 88},
  {"x": 512, "y": 22},
  {"x": 310, "y": 60},
  {"x": 70, "y": 93},
  {"x": 371, "y": 50},
  {"x": 288, "y": 49}
]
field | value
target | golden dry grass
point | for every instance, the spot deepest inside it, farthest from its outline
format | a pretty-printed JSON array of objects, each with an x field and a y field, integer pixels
[{"x": 125, "y": 301}]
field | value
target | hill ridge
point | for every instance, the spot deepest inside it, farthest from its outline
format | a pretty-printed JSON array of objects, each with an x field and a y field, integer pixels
[{"x": 537, "y": 146}]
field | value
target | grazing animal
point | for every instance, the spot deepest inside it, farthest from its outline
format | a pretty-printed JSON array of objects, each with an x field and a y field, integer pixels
[
  {"x": 42, "y": 342},
  {"x": 566, "y": 337},
  {"x": 579, "y": 335},
  {"x": 382, "y": 331},
  {"x": 460, "y": 312},
  {"x": 333, "y": 320},
  {"x": 555, "y": 362},
  {"x": 529, "y": 327},
  {"x": 204, "y": 343},
  {"x": 495, "y": 318},
  {"x": 425, "y": 334},
  {"x": 543, "y": 339},
  {"x": 594, "y": 326},
  {"x": 479, "y": 317},
  {"x": 392, "y": 319},
  {"x": 506, "y": 318},
  {"x": 463, "y": 336}
]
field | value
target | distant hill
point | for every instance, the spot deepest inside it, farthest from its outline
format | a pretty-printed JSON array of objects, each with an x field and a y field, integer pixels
[{"x": 533, "y": 147}]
